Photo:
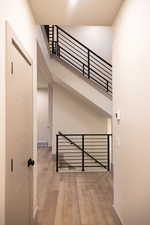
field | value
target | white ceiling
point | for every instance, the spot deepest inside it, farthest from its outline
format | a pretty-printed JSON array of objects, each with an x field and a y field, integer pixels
[{"x": 75, "y": 12}]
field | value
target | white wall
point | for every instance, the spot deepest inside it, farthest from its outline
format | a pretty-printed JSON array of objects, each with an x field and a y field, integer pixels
[
  {"x": 71, "y": 114},
  {"x": 97, "y": 38},
  {"x": 50, "y": 110},
  {"x": 131, "y": 81},
  {"x": 43, "y": 115},
  {"x": 19, "y": 16},
  {"x": 72, "y": 79}
]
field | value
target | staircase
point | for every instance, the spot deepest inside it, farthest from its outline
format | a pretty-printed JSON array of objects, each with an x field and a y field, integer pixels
[
  {"x": 88, "y": 63},
  {"x": 78, "y": 68}
]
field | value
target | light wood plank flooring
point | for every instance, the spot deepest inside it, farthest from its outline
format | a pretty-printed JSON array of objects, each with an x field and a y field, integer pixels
[{"x": 73, "y": 198}]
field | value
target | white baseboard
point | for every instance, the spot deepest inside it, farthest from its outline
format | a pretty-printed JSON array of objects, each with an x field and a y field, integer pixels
[
  {"x": 117, "y": 216},
  {"x": 35, "y": 216}
]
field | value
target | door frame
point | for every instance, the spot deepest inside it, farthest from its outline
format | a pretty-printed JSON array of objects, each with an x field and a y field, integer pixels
[{"x": 11, "y": 38}]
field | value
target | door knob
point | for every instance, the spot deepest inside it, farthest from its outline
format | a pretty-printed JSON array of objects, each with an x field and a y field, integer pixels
[{"x": 31, "y": 162}]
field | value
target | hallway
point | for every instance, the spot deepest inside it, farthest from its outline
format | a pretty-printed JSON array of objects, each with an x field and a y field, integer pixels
[{"x": 73, "y": 198}]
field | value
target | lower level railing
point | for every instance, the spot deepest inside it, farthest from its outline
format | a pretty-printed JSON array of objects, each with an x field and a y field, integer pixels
[{"x": 83, "y": 151}]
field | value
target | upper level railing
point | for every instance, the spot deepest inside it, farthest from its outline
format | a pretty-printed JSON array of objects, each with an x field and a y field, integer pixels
[
  {"x": 72, "y": 51},
  {"x": 82, "y": 151}
]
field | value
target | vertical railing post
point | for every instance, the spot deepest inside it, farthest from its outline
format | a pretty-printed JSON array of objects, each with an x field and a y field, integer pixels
[
  {"x": 57, "y": 42},
  {"x": 108, "y": 151},
  {"x": 57, "y": 149},
  {"x": 83, "y": 69},
  {"x": 53, "y": 51},
  {"x": 82, "y": 152},
  {"x": 107, "y": 86},
  {"x": 88, "y": 63}
]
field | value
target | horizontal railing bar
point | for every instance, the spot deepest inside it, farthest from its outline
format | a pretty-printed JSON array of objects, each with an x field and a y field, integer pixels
[
  {"x": 72, "y": 55},
  {"x": 78, "y": 138},
  {"x": 95, "y": 143},
  {"x": 110, "y": 69},
  {"x": 73, "y": 163},
  {"x": 99, "y": 80},
  {"x": 80, "y": 153},
  {"x": 99, "y": 153},
  {"x": 99, "y": 75},
  {"x": 108, "y": 76},
  {"x": 100, "y": 145},
  {"x": 92, "y": 151},
  {"x": 84, "y": 60},
  {"x": 78, "y": 46},
  {"x": 63, "y": 167},
  {"x": 101, "y": 137},
  {"x": 90, "y": 163},
  {"x": 84, "y": 46},
  {"x": 80, "y": 167},
  {"x": 95, "y": 140},
  {"x": 94, "y": 166},
  {"x": 103, "y": 143},
  {"x": 86, "y": 134},
  {"x": 71, "y": 58},
  {"x": 86, "y": 160},
  {"x": 67, "y": 153},
  {"x": 104, "y": 87},
  {"x": 66, "y": 156},
  {"x": 92, "y": 78},
  {"x": 71, "y": 153},
  {"x": 72, "y": 46},
  {"x": 100, "y": 67},
  {"x": 79, "y": 164},
  {"x": 70, "y": 62},
  {"x": 69, "y": 161},
  {"x": 64, "y": 146}
]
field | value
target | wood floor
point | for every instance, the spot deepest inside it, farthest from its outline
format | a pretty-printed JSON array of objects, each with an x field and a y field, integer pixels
[{"x": 73, "y": 198}]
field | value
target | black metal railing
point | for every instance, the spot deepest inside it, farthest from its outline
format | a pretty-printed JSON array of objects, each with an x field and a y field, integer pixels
[
  {"x": 83, "y": 151},
  {"x": 72, "y": 51}
]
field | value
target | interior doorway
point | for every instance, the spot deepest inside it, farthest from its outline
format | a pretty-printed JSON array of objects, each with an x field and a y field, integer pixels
[{"x": 44, "y": 103}]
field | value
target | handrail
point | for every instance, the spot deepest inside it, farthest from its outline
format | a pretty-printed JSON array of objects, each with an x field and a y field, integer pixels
[
  {"x": 73, "y": 143},
  {"x": 86, "y": 134},
  {"x": 84, "y": 46}
]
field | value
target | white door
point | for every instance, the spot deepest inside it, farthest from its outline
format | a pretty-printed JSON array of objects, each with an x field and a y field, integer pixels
[{"x": 19, "y": 134}]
